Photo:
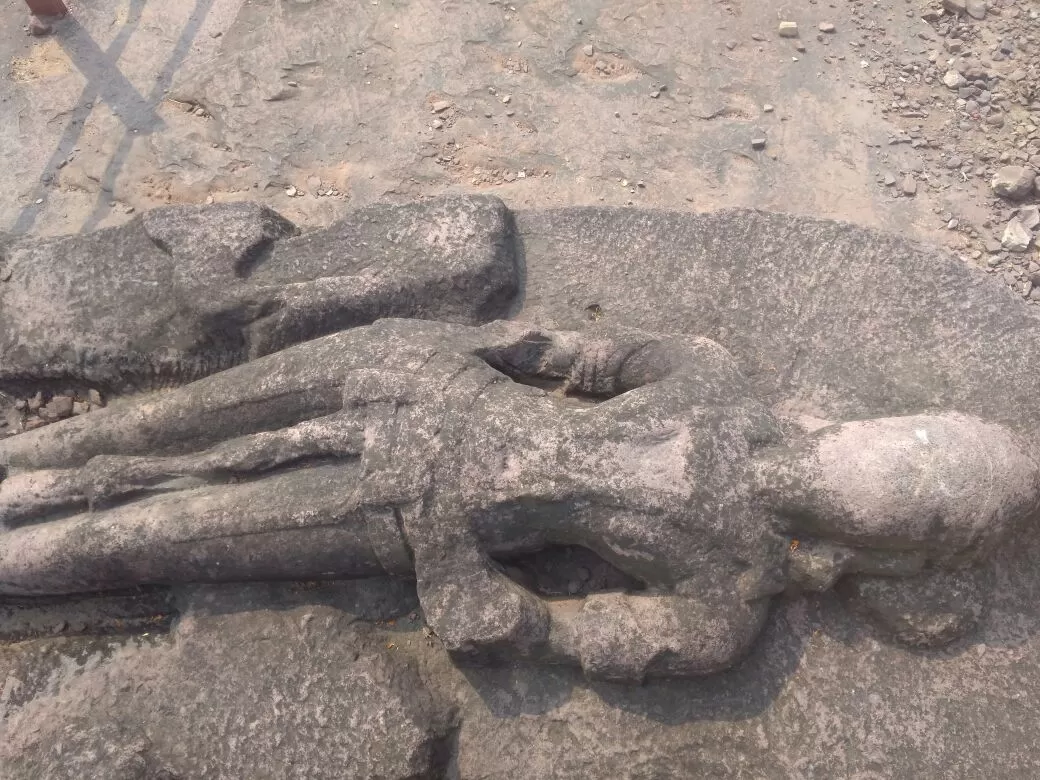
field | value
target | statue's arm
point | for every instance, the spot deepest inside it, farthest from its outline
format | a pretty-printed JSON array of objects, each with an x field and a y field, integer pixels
[
  {"x": 626, "y": 638},
  {"x": 607, "y": 361},
  {"x": 479, "y": 614}
]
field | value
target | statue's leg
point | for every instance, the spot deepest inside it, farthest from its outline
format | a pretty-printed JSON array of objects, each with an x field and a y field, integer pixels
[
  {"x": 302, "y": 524},
  {"x": 298, "y": 384},
  {"x": 31, "y": 495}
]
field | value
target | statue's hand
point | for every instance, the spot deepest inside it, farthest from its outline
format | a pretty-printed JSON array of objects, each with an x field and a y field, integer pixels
[{"x": 484, "y": 615}]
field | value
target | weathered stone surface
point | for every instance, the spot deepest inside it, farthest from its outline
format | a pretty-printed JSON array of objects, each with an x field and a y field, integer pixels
[
  {"x": 851, "y": 324},
  {"x": 433, "y": 461},
  {"x": 291, "y": 690},
  {"x": 929, "y": 611},
  {"x": 839, "y": 332},
  {"x": 184, "y": 291}
]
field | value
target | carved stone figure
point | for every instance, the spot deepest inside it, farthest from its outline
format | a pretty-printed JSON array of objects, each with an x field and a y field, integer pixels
[
  {"x": 183, "y": 291},
  {"x": 435, "y": 450}
]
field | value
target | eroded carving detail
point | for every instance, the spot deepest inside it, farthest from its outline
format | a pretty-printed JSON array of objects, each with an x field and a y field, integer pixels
[{"x": 428, "y": 448}]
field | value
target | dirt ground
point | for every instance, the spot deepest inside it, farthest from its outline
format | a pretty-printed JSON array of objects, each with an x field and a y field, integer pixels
[{"x": 318, "y": 106}]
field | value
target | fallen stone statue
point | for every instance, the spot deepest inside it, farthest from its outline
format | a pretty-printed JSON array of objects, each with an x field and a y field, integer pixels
[
  {"x": 183, "y": 291},
  {"x": 434, "y": 450}
]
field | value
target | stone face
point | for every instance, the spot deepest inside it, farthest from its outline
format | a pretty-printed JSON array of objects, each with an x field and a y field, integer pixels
[
  {"x": 1013, "y": 182},
  {"x": 184, "y": 291}
]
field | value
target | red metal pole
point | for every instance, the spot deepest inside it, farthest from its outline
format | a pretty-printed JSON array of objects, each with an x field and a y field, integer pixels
[{"x": 47, "y": 7}]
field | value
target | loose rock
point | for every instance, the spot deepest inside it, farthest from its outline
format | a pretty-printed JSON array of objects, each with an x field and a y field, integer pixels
[
  {"x": 59, "y": 407},
  {"x": 976, "y": 9},
  {"x": 1029, "y": 216},
  {"x": 1016, "y": 238},
  {"x": 788, "y": 29},
  {"x": 1013, "y": 182},
  {"x": 826, "y": 27},
  {"x": 758, "y": 143},
  {"x": 954, "y": 80},
  {"x": 992, "y": 246},
  {"x": 909, "y": 185}
]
